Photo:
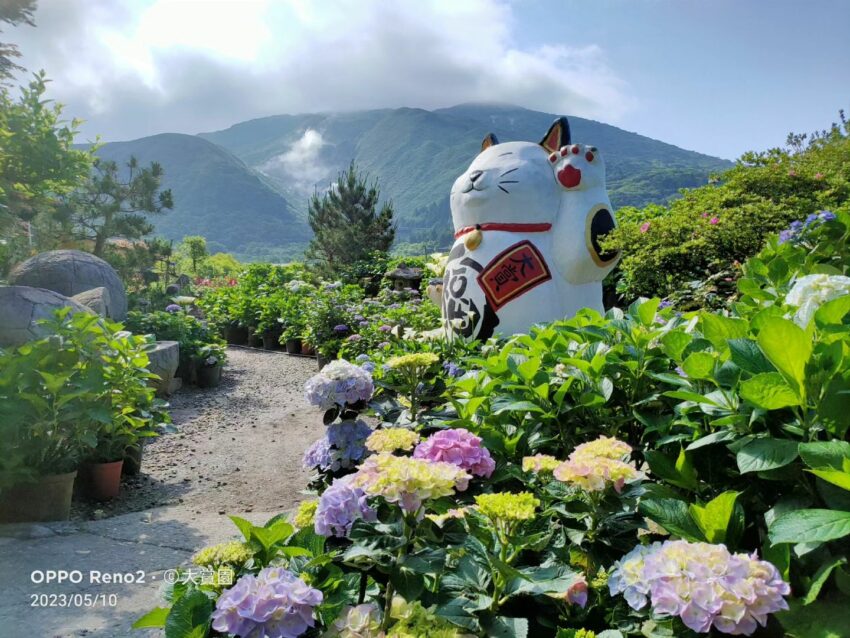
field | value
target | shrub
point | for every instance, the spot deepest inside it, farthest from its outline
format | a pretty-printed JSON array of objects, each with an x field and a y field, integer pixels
[
  {"x": 80, "y": 393},
  {"x": 704, "y": 233},
  {"x": 197, "y": 341}
]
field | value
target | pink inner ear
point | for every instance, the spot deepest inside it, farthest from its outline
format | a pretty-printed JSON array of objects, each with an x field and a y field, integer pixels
[{"x": 553, "y": 139}]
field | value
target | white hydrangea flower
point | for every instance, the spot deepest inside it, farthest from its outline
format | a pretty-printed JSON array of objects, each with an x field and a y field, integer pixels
[{"x": 812, "y": 291}]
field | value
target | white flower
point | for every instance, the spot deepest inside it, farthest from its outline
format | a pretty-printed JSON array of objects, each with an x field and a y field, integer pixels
[{"x": 811, "y": 291}]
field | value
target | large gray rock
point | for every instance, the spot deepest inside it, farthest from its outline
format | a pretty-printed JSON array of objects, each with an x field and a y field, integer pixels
[
  {"x": 22, "y": 307},
  {"x": 97, "y": 300},
  {"x": 70, "y": 272},
  {"x": 164, "y": 360}
]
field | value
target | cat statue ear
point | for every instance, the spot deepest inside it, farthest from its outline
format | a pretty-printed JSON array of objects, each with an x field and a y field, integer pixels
[
  {"x": 489, "y": 140},
  {"x": 557, "y": 136}
]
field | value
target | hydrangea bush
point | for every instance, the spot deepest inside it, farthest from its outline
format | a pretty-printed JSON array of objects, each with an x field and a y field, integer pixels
[{"x": 642, "y": 473}]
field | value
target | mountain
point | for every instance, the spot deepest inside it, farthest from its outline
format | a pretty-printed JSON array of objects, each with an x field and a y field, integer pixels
[
  {"x": 417, "y": 154},
  {"x": 246, "y": 187},
  {"x": 218, "y": 196}
]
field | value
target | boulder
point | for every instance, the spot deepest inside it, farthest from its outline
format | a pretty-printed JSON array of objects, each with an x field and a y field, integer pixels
[
  {"x": 97, "y": 300},
  {"x": 70, "y": 272},
  {"x": 21, "y": 307},
  {"x": 164, "y": 360}
]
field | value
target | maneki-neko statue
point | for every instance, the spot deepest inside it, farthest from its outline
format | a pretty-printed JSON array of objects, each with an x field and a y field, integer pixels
[{"x": 528, "y": 219}]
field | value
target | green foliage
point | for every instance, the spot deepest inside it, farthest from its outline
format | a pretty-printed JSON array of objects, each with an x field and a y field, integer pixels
[
  {"x": 197, "y": 342},
  {"x": 37, "y": 162},
  {"x": 80, "y": 393},
  {"x": 704, "y": 235},
  {"x": 347, "y": 225}
]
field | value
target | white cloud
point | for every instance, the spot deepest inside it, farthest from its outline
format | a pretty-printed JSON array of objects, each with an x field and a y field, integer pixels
[
  {"x": 302, "y": 164},
  {"x": 137, "y": 68}
]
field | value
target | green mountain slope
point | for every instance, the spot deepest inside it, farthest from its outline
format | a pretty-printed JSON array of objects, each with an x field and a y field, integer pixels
[
  {"x": 417, "y": 154},
  {"x": 218, "y": 196}
]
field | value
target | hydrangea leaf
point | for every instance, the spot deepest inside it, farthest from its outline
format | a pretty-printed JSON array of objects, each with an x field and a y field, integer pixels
[{"x": 810, "y": 526}]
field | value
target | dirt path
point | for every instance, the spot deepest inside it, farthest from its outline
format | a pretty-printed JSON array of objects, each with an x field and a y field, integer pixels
[{"x": 238, "y": 451}]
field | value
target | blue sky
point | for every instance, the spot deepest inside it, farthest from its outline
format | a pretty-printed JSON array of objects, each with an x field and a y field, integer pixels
[{"x": 716, "y": 76}]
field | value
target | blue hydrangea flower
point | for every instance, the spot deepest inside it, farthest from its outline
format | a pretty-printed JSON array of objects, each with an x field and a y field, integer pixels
[{"x": 342, "y": 447}]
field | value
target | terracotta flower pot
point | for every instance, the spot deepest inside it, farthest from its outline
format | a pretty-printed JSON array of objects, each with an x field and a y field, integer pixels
[
  {"x": 307, "y": 349},
  {"x": 102, "y": 480},
  {"x": 48, "y": 499},
  {"x": 293, "y": 346},
  {"x": 209, "y": 376}
]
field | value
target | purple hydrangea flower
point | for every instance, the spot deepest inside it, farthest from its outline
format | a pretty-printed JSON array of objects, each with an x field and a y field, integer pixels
[
  {"x": 385, "y": 328},
  {"x": 786, "y": 236},
  {"x": 665, "y": 303},
  {"x": 339, "y": 383},
  {"x": 172, "y": 307},
  {"x": 459, "y": 447},
  {"x": 343, "y": 445},
  {"x": 363, "y": 323},
  {"x": 318, "y": 455},
  {"x": 452, "y": 369},
  {"x": 368, "y": 366},
  {"x": 827, "y": 216},
  {"x": 354, "y": 338},
  {"x": 339, "y": 506},
  {"x": 340, "y": 328},
  {"x": 384, "y": 344},
  {"x": 360, "y": 358},
  {"x": 273, "y": 604}
]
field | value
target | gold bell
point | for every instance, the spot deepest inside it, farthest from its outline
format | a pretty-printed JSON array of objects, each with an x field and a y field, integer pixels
[{"x": 473, "y": 239}]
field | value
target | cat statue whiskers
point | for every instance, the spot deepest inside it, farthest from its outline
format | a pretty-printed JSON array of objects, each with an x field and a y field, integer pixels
[{"x": 528, "y": 219}]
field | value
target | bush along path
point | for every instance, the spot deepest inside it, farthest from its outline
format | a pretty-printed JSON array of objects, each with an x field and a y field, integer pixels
[{"x": 238, "y": 450}]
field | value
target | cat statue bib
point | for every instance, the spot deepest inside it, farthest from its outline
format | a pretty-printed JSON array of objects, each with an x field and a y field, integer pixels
[{"x": 528, "y": 219}]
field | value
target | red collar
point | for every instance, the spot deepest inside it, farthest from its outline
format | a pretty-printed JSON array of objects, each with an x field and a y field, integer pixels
[{"x": 511, "y": 228}]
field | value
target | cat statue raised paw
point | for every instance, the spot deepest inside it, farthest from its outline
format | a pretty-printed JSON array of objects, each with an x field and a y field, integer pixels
[{"x": 528, "y": 219}]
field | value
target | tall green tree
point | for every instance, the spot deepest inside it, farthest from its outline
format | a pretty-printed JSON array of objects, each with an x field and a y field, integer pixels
[
  {"x": 196, "y": 247},
  {"x": 347, "y": 223},
  {"x": 115, "y": 204}
]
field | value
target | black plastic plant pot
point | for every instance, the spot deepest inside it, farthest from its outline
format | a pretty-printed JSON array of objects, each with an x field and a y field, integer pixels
[
  {"x": 293, "y": 346},
  {"x": 209, "y": 376}
]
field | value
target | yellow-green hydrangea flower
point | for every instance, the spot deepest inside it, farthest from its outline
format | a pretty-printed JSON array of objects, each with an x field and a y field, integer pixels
[
  {"x": 540, "y": 464},
  {"x": 392, "y": 439},
  {"x": 504, "y": 506},
  {"x": 305, "y": 514},
  {"x": 413, "y": 361},
  {"x": 596, "y": 465},
  {"x": 230, "y": 553},
  {"x": 407, "y": 481}
]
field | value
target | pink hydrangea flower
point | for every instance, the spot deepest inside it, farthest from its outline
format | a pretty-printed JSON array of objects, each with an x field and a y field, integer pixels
[
  {"x": 459, "y": 447},
  {"x": 714, "y": 221},
  {"x": 644, "y": 227}
]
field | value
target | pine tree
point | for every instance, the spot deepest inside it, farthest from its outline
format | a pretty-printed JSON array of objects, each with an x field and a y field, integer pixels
[{"x": 347, "y": 224}]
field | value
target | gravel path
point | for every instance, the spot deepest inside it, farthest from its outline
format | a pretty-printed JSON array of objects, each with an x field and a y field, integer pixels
[
  {"x": 237, "y": 451},
  {"x": 238, "y": 448}
]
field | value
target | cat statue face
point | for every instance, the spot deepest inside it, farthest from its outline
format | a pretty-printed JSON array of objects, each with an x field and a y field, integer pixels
[{"x": 528, "y": 219}]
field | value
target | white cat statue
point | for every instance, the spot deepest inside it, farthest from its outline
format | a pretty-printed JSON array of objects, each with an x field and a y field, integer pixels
[{"x": 528, "y": 219}]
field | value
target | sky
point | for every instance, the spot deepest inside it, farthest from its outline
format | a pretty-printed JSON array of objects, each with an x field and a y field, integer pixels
[{"x": 716, "y": 76}]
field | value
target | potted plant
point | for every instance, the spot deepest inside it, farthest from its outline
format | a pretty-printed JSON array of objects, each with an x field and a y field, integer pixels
[
  {"x": 57, "y": 394},
  {"x": 209, "y": 363}
]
